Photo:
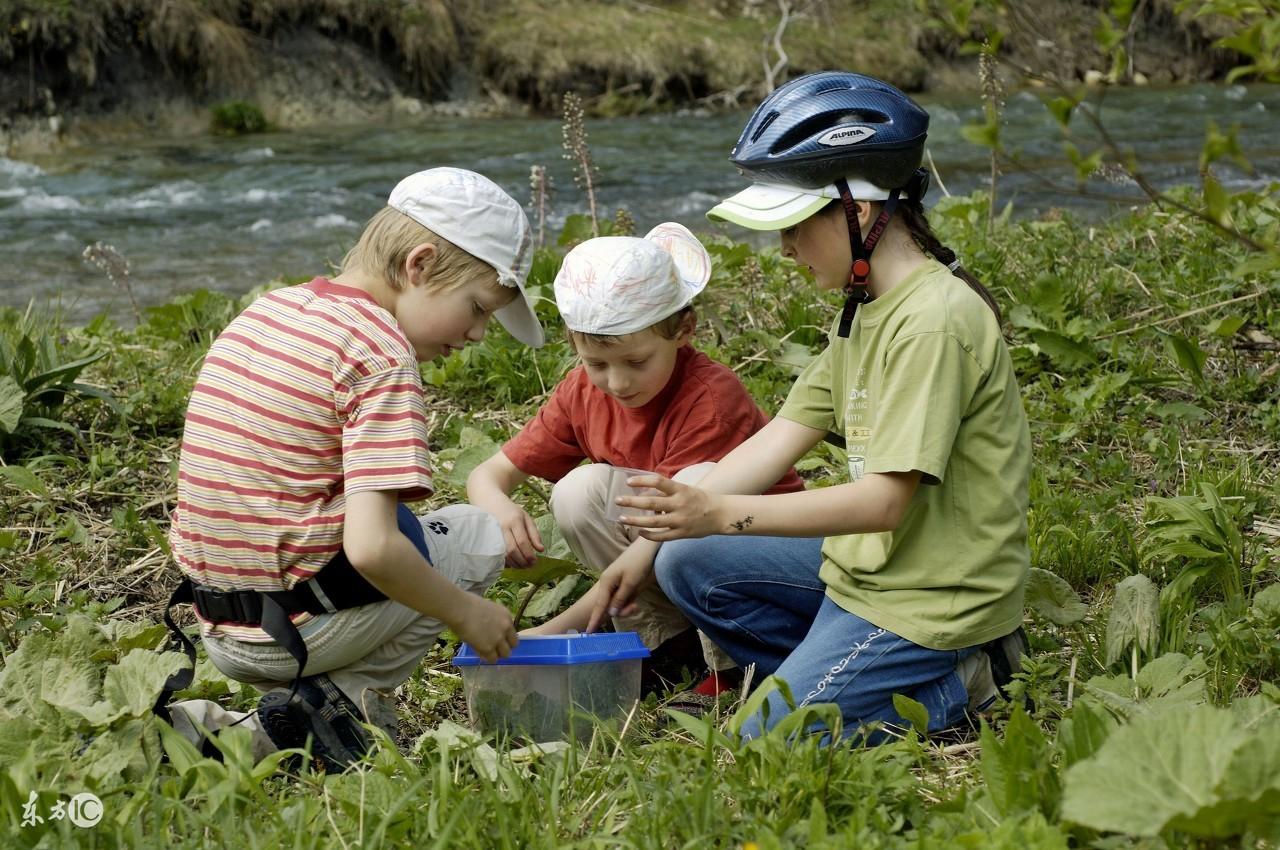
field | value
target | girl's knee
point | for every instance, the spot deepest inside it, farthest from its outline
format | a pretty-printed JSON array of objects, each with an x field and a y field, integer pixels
[{"x": 675, "y": 563}]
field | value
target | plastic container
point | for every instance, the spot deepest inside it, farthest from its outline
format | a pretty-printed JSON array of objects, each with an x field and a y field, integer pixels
[
  {"x": 618, "y": 487},
  {"x": 555, "y": 687}
]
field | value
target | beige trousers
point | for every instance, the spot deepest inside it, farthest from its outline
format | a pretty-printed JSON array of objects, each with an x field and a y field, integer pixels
[
  {"x": 366, "y": 651},
  {"x": 578, "y": 502}
]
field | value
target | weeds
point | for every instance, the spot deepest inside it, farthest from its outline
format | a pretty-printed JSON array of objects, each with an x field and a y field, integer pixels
[{"x": 1155, "y": 605}]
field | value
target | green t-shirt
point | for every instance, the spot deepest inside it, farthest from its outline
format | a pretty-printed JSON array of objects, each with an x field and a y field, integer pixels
[{"x": 924, "y": 382}]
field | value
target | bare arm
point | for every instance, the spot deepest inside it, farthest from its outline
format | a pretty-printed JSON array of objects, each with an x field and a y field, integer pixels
[
  {"x": 753, "y": 467},
  {"x": 489, "y": 488},
  {"x": 875, "y": 503},
  {"x": 374, "y": 545},
  {"x": 762, "y": 459}
]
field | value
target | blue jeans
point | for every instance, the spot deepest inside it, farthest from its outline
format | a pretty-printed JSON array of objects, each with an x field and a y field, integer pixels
[{"x": 761, "y": 601}]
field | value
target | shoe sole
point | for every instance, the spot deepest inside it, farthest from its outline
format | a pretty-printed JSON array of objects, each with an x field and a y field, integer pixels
[{"x": 290, "y": 722}]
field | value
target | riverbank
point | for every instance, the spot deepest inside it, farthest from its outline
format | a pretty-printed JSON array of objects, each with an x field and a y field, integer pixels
[{"x": 119, "y": 69}]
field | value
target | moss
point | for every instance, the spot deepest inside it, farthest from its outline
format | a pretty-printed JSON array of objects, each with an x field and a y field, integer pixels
[{"x": 237, "y": 117}]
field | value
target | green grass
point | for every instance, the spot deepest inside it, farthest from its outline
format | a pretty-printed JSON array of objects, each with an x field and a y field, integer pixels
[{"x": 1124, "y": 412}]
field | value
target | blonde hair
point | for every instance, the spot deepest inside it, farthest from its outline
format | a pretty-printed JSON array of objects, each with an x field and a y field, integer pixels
[
  {"x": 669, "y": 328},
  {"x": 387, "y": 240}
]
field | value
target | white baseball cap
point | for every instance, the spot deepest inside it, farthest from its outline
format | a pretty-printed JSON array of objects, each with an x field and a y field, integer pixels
[
  {"x": 615, "y": 285},
  {"x": 773, "y": 206},
  {"x": 473, "y": 212}
]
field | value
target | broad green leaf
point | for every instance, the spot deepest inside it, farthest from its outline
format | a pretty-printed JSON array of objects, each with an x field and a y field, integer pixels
[
  {"x": 913, "y": 712},
  {"x": 1180, "y": 411},
  {"x": 547, "y": 601},
  {"x": 465, "y": 462},
  {"x": 1226, "y": 326},
  {"x": 817, "y": 822},
  {"x": 62, "y": 374},
  {"x": 756, "y": 701},
  {"x": 1216, "y": 200},
  {"x": 1016, "y": 769},
  {"x": 1266, "y": 604},
  {"x": 1170, "y": 680},
  {"x": 984, "y": 135},
  {"x": 74, "y": 684},
  {"x": 1135, "y": 618},
  {"x": 133, "y": 684},
  {"x": 544, "y": 570},
  {"x": 11, "y": 404},
  {"x": 1053, "y": 598},
  {"x": 1197, "y": 770},
  {"x": 1064, "y": 351},
  {"x": 1171, "y": 674},
  {"x": 117, "y": 753},
  {"x": 23, "y": 479},
  {"x": 1081, "y": 734},
  {"x": 1061, "y": 109},
  {"x": 1188, "y": 354}
]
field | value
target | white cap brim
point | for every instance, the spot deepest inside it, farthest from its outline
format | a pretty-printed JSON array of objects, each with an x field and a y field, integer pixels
[
  {"x": 771, "y": 206},
  {"x": 518, "y": 317}
]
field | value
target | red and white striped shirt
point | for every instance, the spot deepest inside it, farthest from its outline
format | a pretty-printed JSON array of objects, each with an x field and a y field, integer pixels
[{"x": 311, "y": 393}]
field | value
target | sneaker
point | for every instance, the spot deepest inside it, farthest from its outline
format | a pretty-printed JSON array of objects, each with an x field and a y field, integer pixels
[
  {"x": 670, "y": 663},
  {"x": 987, "y": 672},
  {"x": 320, "y": 713},
  {"x": 703, "y": 697}
]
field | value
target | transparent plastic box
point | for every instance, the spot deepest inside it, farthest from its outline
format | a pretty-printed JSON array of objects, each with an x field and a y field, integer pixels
[
  {"x": 555, "y": 687},
  {"x": 618, "y": 486}
]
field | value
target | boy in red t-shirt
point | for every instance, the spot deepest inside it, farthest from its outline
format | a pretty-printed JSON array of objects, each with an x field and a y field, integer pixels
[{"x": 642, "y": 398}]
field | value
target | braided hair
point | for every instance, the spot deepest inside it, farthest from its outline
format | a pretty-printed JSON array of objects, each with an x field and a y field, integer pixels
[{"x": 912, "y": 214}]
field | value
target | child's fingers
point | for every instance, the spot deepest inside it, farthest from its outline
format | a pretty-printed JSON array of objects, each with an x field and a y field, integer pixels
[
  {"x": 657, "y": 482},
  {"x": 598, "y": 613},
  {"x": 653, "y": 521},
  {"x": 531, "y": 528},
  {"x": 661, "y": 504}
]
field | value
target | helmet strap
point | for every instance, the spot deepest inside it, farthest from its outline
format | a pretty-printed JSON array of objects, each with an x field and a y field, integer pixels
[{"x": 856, "y": 289}]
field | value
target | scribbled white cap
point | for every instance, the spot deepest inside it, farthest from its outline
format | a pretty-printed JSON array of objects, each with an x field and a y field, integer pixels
[
  {"x": 616, "y": 285},
  {"x": 474, "y": 213}
]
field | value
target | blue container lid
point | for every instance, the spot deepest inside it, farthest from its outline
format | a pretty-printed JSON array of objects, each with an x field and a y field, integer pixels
[{"x": 563, "y": 649}]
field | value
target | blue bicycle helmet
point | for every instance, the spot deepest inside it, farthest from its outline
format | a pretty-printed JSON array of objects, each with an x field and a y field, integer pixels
[
  {"x": 832, "y": 124},
  {"x": 823, "y": 136}
]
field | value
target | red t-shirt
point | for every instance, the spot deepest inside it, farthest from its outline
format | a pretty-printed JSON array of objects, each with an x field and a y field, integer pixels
[{"x": 702, "y": 414}]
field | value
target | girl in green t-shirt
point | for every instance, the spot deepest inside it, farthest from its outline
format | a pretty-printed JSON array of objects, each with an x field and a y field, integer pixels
[{"x": 909, "y": 578}]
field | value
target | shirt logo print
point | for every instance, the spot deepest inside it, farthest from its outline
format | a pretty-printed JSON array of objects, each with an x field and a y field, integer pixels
[{"x": 438, "y": 527}]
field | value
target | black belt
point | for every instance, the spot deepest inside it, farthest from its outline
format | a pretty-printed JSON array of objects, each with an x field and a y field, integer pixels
[{"x": 336, "y": 587}]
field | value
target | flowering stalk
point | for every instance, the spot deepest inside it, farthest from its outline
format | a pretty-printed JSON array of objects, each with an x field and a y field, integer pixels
[
  {"x": 540, "y": 198},
  {"x": 116, "y": 267},
  {"x": 575, "y": 143}
]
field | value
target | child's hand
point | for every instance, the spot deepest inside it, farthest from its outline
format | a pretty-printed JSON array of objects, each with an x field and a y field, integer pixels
[
  {"x": 521, "y": 535},
  {"x": 618, "y": 585},
  {"x": 488, "y": 627},
  {"x": 682, "y": 511}
]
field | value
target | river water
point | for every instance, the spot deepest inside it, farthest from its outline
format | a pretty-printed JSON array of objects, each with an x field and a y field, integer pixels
[{"x": 230, "y": 213}]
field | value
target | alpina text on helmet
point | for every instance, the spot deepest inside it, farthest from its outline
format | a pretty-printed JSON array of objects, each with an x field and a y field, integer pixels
[{"x": 846, "y": 136}]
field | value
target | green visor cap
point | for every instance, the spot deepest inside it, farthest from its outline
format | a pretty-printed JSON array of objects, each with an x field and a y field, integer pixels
[{"x": 770, "y": 206}]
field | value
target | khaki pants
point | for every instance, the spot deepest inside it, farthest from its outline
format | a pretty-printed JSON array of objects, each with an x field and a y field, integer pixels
[
  {"x": 578, "y": 504},
  {"x": 366, "y": 651}
]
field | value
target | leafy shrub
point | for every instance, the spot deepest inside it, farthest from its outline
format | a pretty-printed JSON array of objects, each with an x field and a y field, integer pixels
[
  {"x": 237, "y": 117},
  {"x": 39, "y": 368}
]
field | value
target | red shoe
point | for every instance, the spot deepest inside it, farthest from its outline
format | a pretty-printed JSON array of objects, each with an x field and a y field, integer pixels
[{"x": 719, "y": 682}]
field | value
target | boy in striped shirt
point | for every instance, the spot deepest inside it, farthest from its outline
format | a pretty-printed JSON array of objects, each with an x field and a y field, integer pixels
[{"x": 305, "y": 434}]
